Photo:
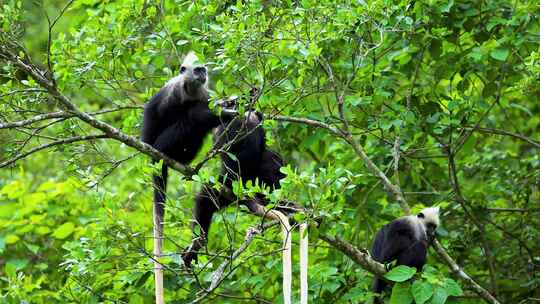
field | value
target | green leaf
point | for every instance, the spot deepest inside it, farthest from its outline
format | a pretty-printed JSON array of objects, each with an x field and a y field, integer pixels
[
  {"x": 500, "y": 54},
  {"x": 400, "y": 273},
  {"x": 521, "y": 108},
  {"x": 421, "y": 291},
  {"x": 452, "y": 287},
  {"x": 11, "y": 239},
  {"x": 445, "y": 8},
  {"x": 18, "y": 264},
  {"x": 401, "y": 294},
  {"x": 439, "y": 296},
  {"x": 42, "y": 230},
  {"x": 331, "y": 286},
  {"x": 489, "y": 90},
  {"x": 64, "y": 230},
  {"x": 32, "y": 248}
]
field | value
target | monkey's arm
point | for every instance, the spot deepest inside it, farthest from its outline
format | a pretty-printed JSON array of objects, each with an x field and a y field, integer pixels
[
  {"x": 203, "y": 115},
  {"x": 151, "y": 121}
]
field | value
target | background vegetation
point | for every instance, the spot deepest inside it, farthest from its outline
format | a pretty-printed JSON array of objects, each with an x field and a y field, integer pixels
[{"x": 377, "y": 106}]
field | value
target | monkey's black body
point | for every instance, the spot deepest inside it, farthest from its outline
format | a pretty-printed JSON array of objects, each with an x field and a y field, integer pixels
[
  {"x": 403, "y": 240},
  {"x": 254, "y": 162},
  {"x": 177, "y": 128},
  {"x": 399, "y": 241}
]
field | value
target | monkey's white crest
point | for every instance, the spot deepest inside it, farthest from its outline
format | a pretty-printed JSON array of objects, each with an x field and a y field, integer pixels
[
  {"x": 431, "y": 215},
  {"x": 190, "y": 59},
  {"x": 422, "y": 219}
]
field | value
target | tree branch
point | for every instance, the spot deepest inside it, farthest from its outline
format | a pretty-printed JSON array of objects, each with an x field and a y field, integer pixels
[
  {"x": 51, "y": 144},
  {"x": 459, "y": 273},
  {"x": 219, "y": 273},
  {"x": 58, "y": 114},
  {"x": 360, "y": 256},
  {"x": 505, "y": 133},
  {"x": 109, "y": 130}
]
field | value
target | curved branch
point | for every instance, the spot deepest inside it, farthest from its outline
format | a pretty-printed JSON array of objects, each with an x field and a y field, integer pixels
[
  {"x": 219, "y": 273},
  {"x": 59, "y": 114},
  {"x": 29, "y": 121},
  {"x": 360, "y": 256},
  {"x": 49, "y": 145},
  {"x": 506, "y": 133},
  {"x": 309, "y": 122},
  {"x": 109, "y": 130},
  {"x": 458, "y": 272}
]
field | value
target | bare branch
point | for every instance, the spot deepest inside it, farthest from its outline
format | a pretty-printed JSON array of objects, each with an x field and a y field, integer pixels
[
  {"x": 219, "y": 274},
  {"x": 59, "y": 114},
  {"x": 458, "y": 272},
  {"x": 461, "y": 142},
  {"x": 532, "y": 142},
  {"x": 49, "y": 145},
  {"x": 109, "y": 130},
  {"x": 452, "y": 172},
  {"x": 37, "y": 118},
  {"x": 309, "y": 122},
  {"x": 360, "y": 256},
  {"x": 396, "y": 156}
]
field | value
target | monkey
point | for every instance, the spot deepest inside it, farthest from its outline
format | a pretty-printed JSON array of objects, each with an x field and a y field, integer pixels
[
  {"x": 248, "y": 159},
  {"x": 405, "y": 240},
  {"x": 177, "y": 118},
  {"x": 175, "y": 122},
  {"x": 253, "y": 161}
]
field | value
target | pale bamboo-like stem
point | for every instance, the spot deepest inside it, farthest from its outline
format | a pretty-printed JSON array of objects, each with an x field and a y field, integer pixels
[{"x": 304, "y": 263}]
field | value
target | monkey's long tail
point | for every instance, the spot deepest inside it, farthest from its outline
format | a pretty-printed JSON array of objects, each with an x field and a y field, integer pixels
[
  {"x": 258, "y": 209},
  {"x": 287, "y": 263},
  {"x": 303, "y": 263},
  {"x": 160, "y": 188}
]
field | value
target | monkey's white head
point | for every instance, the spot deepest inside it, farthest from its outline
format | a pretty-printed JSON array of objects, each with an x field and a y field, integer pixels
[
  {"x": 194, "y": 74},
  {"x": 429, "y": 217},
  {"x": 192, "y": 82}
]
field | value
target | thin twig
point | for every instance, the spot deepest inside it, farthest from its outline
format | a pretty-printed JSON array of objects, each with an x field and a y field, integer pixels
[{"x": 49, "y": 145}]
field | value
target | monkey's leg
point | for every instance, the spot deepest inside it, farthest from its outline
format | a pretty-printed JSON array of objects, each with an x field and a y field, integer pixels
[
  {"x": 378, "y": 287},
  {"x": 160, "y": 184},
  {"x": 259, "y": 209},
  {"x": 207, "y": 203},
  {"x": 303, "y": 263}
]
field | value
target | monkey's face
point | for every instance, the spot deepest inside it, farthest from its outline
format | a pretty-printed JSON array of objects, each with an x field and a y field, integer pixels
[
  {"x": 431, "y": 230},
  {"x": 194, "y": 77},
  {"x": 430, "y": 219},
  {"x": 254, "y": 117}
]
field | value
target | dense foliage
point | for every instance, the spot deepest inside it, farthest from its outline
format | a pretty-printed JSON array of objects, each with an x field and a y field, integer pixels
[{"x": 442, "y": 96}]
